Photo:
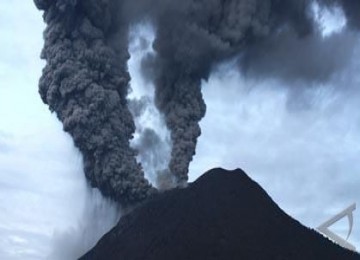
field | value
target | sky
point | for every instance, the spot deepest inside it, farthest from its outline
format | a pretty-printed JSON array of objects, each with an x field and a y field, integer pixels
[{"x": 305, "y": 156}]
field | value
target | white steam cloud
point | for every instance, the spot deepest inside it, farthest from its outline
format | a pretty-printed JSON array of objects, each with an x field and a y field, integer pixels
[
  {"x": 48, "y": 210},
  {"x": 98, "y": 217},
  {"x": 152, "y": 138}
]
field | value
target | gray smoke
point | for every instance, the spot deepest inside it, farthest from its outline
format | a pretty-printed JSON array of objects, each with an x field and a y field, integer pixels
[
  {"x": 310, "y": 60},
  {"x": 86, "y": 81},
  {"x": 191, "y": 37},
  {"x": 273, "y": 38}
]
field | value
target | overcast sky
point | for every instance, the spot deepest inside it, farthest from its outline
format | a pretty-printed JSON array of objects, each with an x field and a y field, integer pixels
[{"x": 306, "y": 156}]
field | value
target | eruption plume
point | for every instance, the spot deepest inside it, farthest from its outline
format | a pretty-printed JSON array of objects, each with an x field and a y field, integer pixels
[{"x": 86, "y": 80}]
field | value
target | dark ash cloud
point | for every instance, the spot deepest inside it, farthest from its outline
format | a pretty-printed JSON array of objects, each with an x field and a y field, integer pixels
[
  {"x": 85, "y": 82},
  {"x": 311, "y": 59},
  {"x": 86, "y": 79}
]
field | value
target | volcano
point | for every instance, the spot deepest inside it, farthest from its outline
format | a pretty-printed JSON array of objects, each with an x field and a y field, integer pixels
[{"x": 223, "y": 215}]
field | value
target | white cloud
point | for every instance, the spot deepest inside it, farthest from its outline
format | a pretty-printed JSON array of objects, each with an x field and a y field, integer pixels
[{"x": 330, "y": 19}]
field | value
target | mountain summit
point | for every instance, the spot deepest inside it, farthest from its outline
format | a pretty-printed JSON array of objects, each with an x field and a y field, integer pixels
[{"x": 223, "y": 215}]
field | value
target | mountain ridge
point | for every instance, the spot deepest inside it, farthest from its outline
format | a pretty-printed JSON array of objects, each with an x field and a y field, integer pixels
[{"x": 222, "y": 215}]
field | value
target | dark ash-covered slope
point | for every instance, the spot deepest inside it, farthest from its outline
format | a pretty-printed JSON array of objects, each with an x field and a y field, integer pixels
[{"x": 222, "y": 215}]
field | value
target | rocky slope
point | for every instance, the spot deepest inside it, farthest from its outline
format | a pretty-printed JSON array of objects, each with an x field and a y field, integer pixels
[{"x": 222, "y": 215}]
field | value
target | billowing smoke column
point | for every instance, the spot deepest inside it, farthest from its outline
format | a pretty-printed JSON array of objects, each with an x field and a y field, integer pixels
[
  {"x": 85, "y": 80},
  {"x": 194, "y": 35}
]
